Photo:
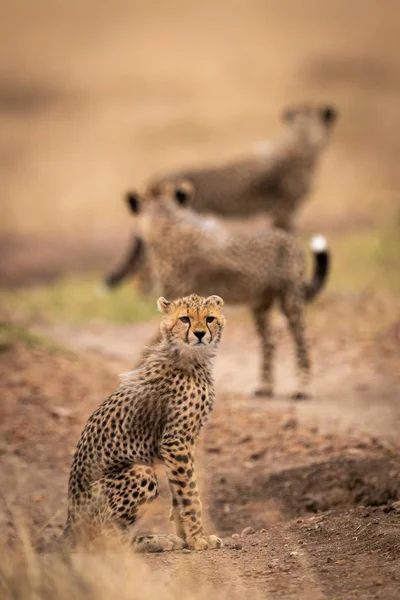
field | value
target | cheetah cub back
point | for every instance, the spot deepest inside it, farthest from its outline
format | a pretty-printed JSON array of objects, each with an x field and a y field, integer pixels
[{"x": 155, "y": 415}]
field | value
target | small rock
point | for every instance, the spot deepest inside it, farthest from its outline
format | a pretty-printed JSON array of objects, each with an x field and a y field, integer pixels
[
  {"x": 236, "y": 546},
  {"x": 245, "y": 439},
  {"x": 248, "y": 531},
  {"x": 62, "y": 412},
  {"x": 235, "y": 536},
  {"x": 262, "y": 530},
  {"x": 329, "y": 560},
  {"x": 291, "y": 423},
  {"x": 294, "y": 553},
  {"x": 213, "y": 449},
  {"x": 273, "y": 563},
  {"x": 258, "y": 454},
  {"x": 186, "y": 551}
]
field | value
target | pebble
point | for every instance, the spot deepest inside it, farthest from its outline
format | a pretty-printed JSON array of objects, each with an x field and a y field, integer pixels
[
  {"x": 61, "y": 412},
  {"x": 236, "y": 546},
  {"x": 248, "y": 531},
  {"x": 235, "y": 536},
  {"x": 291, "y": 423}
]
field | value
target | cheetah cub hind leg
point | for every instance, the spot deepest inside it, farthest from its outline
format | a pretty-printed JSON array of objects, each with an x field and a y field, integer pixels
[{"x": 158, "y": 543}]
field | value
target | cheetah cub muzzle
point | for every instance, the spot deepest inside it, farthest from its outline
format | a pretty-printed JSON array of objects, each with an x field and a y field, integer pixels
[{"x": 155, "y": 415}]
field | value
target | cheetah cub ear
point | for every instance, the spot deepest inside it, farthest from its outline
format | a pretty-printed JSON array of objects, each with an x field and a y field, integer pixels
[
  {"x": 184, "y": 192},
  {"x": 216, "y": 301},
  {"x": 329, "y": 114},
  {"x": 133, "y": 201},
  {"x": 163, "y": 305}
]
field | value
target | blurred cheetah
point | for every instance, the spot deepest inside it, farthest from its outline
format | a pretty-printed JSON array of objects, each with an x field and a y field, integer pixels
[
  {"x": 275, "y": 180},
  {"x": 155, "y": 415},
  {"x": 189, "y": 252}
]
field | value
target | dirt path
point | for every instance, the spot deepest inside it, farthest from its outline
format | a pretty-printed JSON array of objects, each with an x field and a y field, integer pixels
[
  {"x": 347, "y": 393},
  {"x": 317, "y": 481}
]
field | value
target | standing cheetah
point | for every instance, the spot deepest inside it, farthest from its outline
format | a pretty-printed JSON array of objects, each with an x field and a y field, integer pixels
[
  {"x": 275, "y": 180},
  {"x": 155, "y": 415},
  {"x": 256, "y": 269}
]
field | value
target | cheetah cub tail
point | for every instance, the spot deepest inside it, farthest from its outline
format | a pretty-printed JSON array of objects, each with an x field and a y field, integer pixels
[
  {"x": 319, "y": 247},
  {"x": 318, "y": 244}
]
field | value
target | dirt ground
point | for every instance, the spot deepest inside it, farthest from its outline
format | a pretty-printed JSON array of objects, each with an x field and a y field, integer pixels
[
  {"x": 314, "y": 486},
  {"x": 94, "y": 98}
]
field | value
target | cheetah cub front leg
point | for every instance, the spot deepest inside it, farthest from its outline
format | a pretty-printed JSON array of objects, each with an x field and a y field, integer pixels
[{"x": 186, "y": 509}]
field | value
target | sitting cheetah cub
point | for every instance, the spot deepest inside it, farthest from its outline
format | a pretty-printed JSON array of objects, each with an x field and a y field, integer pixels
[{"x": 155, "y": 415}]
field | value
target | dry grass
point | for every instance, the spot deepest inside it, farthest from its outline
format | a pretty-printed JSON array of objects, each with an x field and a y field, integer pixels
[{"x": 107, "y": 573}]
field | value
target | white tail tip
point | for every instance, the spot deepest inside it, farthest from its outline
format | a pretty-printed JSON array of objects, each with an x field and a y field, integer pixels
[{"x": 319, "y": 244}]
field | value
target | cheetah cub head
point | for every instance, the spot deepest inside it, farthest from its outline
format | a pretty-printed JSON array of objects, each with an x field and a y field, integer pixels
[
  {"x": 312, "y": 123},
  {"x": 193, "y": 323}
]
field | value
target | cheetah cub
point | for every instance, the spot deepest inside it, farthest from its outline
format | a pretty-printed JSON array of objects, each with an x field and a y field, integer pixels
[{"x": 155, "y": 415}]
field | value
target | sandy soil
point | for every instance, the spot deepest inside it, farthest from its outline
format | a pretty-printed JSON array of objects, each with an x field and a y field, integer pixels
[{"x": 316, "y": 482}]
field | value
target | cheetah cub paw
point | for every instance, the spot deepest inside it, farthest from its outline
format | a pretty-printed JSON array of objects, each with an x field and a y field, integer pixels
[{"x": 205, "y": 543}]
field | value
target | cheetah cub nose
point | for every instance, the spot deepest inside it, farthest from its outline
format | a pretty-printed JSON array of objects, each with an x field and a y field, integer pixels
[{"x": 199, "y": 335}]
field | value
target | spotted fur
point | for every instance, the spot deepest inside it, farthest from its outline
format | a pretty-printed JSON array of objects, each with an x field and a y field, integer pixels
[
  {"x": 254, "y": 269},
  {"x": 275, "y": 180},
  {"x": 155, "y": 415}
]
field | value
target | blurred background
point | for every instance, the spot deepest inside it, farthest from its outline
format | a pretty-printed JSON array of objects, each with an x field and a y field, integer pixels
[{"x": 97, "y": 96}]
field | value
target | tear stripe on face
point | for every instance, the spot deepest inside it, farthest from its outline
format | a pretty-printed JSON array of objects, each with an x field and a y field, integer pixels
[{"x": 187, "y": 331}]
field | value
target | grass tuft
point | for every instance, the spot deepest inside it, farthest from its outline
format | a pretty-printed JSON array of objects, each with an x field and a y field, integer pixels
[
  {"x": 104, "y": 574},
  {"x": 10, "y": 333},
  {"x": 78, "y": 299}
]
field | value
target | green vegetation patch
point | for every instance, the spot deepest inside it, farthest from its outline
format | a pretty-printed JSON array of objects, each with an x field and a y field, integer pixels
[
  {"x": 78, "y": 299},
  {"x": 11, "y": 333},
  {"x": 367, "y": 260}
]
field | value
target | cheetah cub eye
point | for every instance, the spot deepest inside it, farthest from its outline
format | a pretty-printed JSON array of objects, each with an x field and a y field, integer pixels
[{"x": 185, "y": 319}]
